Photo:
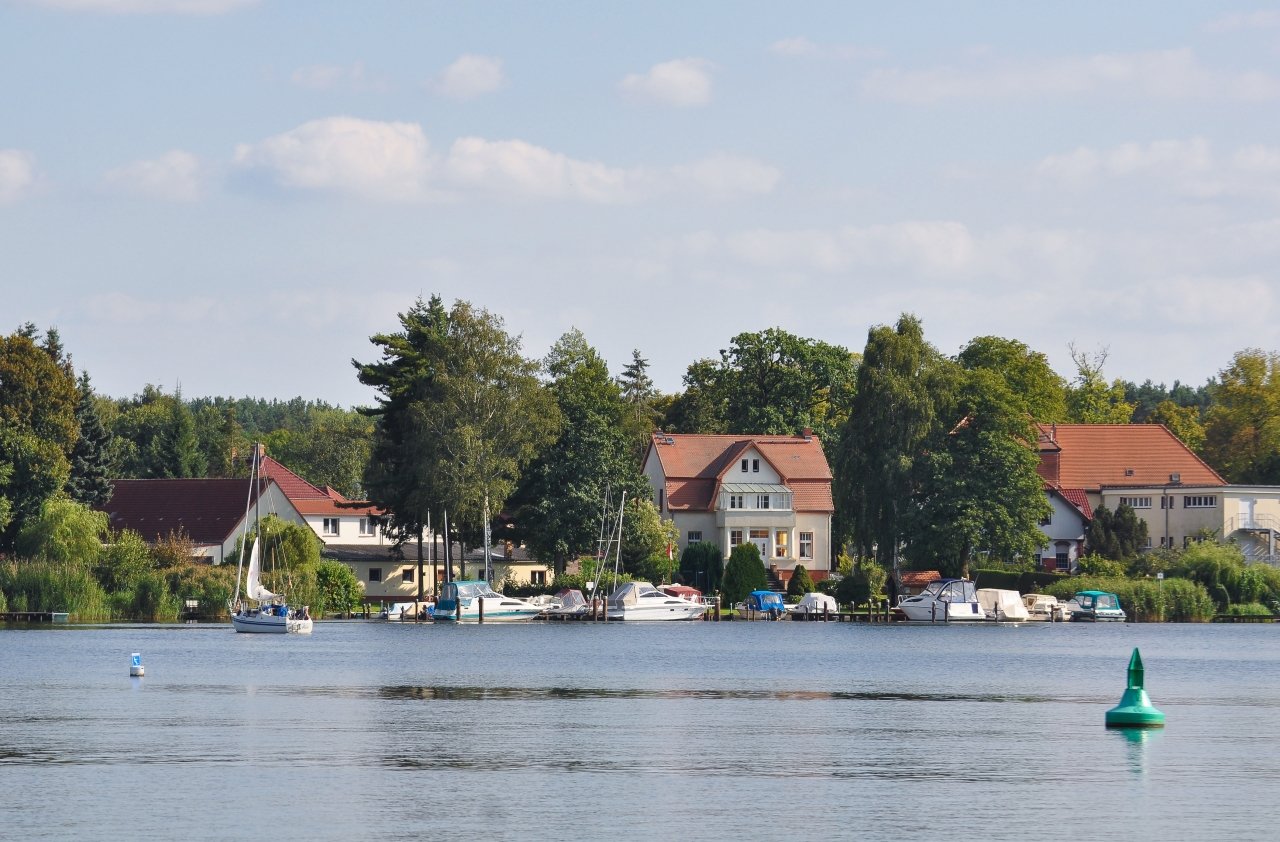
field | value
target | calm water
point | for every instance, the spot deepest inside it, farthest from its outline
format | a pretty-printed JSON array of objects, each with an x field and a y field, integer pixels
[{"x": 569, "y": 731}]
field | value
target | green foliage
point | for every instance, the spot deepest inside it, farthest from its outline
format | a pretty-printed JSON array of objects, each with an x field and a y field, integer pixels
[
  {"x": 53, "y": 586},
  {"x": 1090, "y": 400},
  {"x": 1146, "y": 600},
  {"x": 800, "y": 582},
  {"x": 210, "y": 586},
  {"x": 702, "y": 566},
  {"x": 123, "y": 562},
  {"x": 646, "y": 538},
  {"x": 1249, "y": 609},
  {"x": 65, "y": 532},
  {"x": 1120, "y": 536},
  {"x": 90, "y": 464},
  {"x": 340, "y": 590},
  {"x": 865, "y": 581},
  {"x": 1096, "y": 565},
  {"x": 1036, "y": 386},
  {"x": 1221, "y": 569},
  {"x": 743, "y": 574},
  {"x": 1242, "y": 430},
  {"x": 641, "y": 398},
  {"x": 558, "y": 502},
  {"x": 1182, "y": 421}
]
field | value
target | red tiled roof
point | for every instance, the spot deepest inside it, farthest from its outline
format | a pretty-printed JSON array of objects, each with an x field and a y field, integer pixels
[
  {"x": 1090, "y": 456},
  {"x": 694, "y": 464},
  {"x": 918, "y": 578},
  {"x": 307, "y": 498},
  {"x": 207, "y": 510},
  {"x": 1076, "y": 497}
]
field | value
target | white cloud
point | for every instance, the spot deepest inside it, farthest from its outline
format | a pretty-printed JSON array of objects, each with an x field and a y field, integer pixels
[
  {"x": 469, "y": 77},
  {"x": 1167, "y": 74},
  {"x": 375, "y": 160},
  {"x": 1185, "y": 167},
  {"x": 684, "y": 83},
  {"x": 174, "y": 176},
  {"x": 329, "y": 77},
  {"x": 801, "y": 47},
  {"x": 1245, "y": 20},
  {"x": 17, "y": 174},
  {"x": 146, "y": 7},
  {"x": 392, "y": 162}
]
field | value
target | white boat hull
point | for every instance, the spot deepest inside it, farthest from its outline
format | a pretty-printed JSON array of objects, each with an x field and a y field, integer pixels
[
  {"x": 500, "y": 610},
  {"x": 943, "y": 612},
  {"x": 269, "y": 624},
  {"x": 657, "y": 612}
]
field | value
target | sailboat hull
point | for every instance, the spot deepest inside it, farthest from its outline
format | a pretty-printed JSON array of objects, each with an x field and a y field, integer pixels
[{"x": 269, "y": 624}]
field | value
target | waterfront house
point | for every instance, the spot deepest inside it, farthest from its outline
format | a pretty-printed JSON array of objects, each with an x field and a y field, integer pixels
[
  {"x": 773, "y": 491},
  {"x": 1064, "y": 528}
]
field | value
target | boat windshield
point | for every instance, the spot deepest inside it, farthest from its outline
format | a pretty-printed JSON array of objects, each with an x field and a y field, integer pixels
[
  {"x": 1106, "y": 600},
  {"x": 471, "y": 590}
]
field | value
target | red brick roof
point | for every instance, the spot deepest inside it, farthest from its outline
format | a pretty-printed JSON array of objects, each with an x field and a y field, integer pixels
[
  {"x": 1076, "y": 497},
  {"x": 694, "y": 466},
  {"x": 918, "y": 578},
  {"x": 207, "y": 510},
  {"x": 307, "y": 498},
  {"x": 1089, "y": 456}
]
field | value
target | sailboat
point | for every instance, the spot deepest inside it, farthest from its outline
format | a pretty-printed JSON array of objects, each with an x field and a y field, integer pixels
[{"x": 271, "y": 614}]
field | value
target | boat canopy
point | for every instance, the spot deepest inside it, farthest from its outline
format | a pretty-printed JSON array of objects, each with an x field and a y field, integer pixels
[
  {"x": 629, "y": 593},
  {"x": 571, "y": 598},
  {"x": 816, "y": 603},
  {"x": 467, "y": 590}
]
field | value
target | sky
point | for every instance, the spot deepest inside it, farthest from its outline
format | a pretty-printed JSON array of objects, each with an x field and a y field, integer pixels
[{"x": 230, "y": 197}]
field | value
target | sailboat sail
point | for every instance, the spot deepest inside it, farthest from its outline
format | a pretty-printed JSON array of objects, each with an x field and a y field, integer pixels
[{"x": 255, "y": 589}]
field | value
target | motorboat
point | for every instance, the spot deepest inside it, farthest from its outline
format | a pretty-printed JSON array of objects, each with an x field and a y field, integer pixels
[
  {"x": 767, "y": 604},
  {"x": 1003, "y": 606},
  {"x": 642, "y": 601},
  {"x": 569, "y": 602},
  {"x": 943, "y": 601},
  {"x": 1044, "y": 608},
  {"x": 474, "y": 601},
  {"x": 1097, "y": 607},
  {"x": 814, "y": 603},
  {"x": 404, "y": 610}
]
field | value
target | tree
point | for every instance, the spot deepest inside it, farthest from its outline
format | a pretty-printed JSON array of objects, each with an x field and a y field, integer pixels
[
  {"x": 66, "y": 532},
  {"x": 90, "y": 464},
  {"x": 340, "y": 590},
  {"x": 161, "y": 434},
  {"x": 700, "y": 408},
  {"x": 1242, "y": 430},
  {"x": 702, "y": 566},
  {"x": 800, "y": 583},
  {"x": 891, "y": 417},
  {"x": 1182, "y": 421},
  {"x": 331, "y": 448},
  {"x": 640, "y": 396},
  {"x": 743, "y": 574},
  {"x": 558, "y": 503},
  {"x": 978, "y": 487},
  {"x": 1027, "y": 373},
  {"x": 1117, "y": 536},
  {"x": 123, "y": 562},
  {"x": 1090, "y": 400},
  {"x": 648, "y": 542}
]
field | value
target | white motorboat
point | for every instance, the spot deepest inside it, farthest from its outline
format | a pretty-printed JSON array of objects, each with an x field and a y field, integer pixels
[
  {"x": 642, "y": 601},
  {"x": 1044, "y": 608},
  {"x": 944, "y": 601},
  {"x": 1003, "y": 606},
  {"x": 814, "y": 603},
  {"x": 570, "y": 603},
  {"x": 475, "y": 601}
]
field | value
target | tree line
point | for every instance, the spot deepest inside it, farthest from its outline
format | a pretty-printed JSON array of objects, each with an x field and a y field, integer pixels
[{"x": 933, "y": 455}]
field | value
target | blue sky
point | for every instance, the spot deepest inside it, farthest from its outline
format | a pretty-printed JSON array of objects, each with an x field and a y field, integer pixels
[{"x": 233, "y": 195}]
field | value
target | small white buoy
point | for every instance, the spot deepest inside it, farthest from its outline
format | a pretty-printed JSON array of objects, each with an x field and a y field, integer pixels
[{"x": 135, "y": 665}]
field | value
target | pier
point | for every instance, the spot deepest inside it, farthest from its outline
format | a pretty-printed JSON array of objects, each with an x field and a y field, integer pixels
[{"x": 33, "y": 616}]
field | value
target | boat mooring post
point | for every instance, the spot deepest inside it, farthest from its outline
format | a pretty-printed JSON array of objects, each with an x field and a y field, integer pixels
[
  {"x": 1135, "y": 709},
  {"x": 480, "y": 609}
]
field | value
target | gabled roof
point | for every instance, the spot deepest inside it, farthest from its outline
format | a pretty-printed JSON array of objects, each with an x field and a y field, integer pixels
[
  {"x": 309, "y": 499},
  {"x": 207, "y": 510},
  {"x": 1075, "y": 497},
  {"x": 694, "y": 466},
  {"x": 1090, "y": 456}
]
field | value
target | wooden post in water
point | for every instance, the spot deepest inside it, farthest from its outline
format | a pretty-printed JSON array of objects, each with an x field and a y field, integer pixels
[
  {"x": 480, "y": 608},
  {"x": 457, "y": 608}
]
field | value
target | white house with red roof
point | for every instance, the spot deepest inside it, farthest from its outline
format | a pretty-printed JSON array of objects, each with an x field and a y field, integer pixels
[
  {"x": 1147, "y": 468},
  {"x": 773, "y": 491}
]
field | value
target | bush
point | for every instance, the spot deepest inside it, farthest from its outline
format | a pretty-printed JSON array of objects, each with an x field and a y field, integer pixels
[
  {"x": 743, "y": 574},
  {"x": 1221, "y": 569},
  {"x": 1249, "y": 609},
  {"x": 340, "y": 590},
  {"x": 702, "y": 566},
  {"x": 1146, "y": 600},
  {"x": 49, "y": 586},
  {"x": 1096, "y": 565},
  {"x": 800, "y": 583}
]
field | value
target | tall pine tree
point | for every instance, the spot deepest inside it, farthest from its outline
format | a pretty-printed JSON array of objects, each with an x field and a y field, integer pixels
[{"x": 91, "y": 468}]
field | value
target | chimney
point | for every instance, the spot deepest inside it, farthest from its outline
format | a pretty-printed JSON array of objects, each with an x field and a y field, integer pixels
[
  {"x": 1053, "y": 433},
  {"x": 807, "y": 432}
]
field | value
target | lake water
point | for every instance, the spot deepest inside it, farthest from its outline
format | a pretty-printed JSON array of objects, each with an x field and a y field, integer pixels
[{"x": 574, "y": 730}]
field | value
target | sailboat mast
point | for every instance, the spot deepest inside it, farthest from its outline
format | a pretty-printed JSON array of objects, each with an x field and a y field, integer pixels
[
  {"x": 617, "y": 559},
  {"x": 244, "y": 530},
  {"x": 488, "y": 571}
]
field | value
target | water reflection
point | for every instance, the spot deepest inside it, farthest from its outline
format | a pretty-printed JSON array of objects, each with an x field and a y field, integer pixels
[
  {"x": 1136, "y": 741},
  {"x": 476, "y": 694}
]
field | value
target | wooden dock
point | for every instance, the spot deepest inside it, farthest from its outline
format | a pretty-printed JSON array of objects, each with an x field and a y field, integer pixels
[
  {"x": 33, "y": 616},
  {"x": 1243, "y": 618}
]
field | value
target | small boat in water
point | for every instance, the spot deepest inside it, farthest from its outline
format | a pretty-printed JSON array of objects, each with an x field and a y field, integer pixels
[
  {"x": 405, "y": 610},
  {"x": 1044, "y": 608},
  {"x": 1097, "y": 607},
  {"x": 642, "y": 601},
  {"x": 470, "y": 601},
  {"x": 1003, "y": 606},
  {"x": 766, "y": 604},
  {"x": 814, "y": 603},
  {"x": 943, "y": 601},
  {"x": 569, "y": 602}
]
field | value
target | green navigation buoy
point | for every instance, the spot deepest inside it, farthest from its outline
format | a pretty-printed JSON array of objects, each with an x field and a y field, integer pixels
[{"x": 1135, "y": 710}]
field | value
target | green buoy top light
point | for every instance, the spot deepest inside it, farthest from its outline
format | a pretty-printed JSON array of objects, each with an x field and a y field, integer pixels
[{"x": 1135, "y": 710}]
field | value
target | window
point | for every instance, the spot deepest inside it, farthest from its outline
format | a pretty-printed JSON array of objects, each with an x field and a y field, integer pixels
[
  {"x": 406, "y": 574},
  {"x": 367, "y": 526},
  {"x": 744, "y": 466},
  {"x": 762, "y": 501},
  {"x": 330, "y": 526},
  {"x": 537, "y": 577},
  {"x": 661, "y": 498},
  {"x": 375, "y": 574},
  {"x": 780, "y": 544},
  {"x": 1199, "y": 502},
  {"x": 1063, "y": 561},
  {"x": 806, "y": 545},
  {"x": 735, "y": 538},
  {"x": 1166, "y": 502},
  {"x": 755, "y": 466},
  {"x": 695, "y": 536},
  {"x": 735, "y": 501},
  {"x": 1047, "y": 519},
  {"x": 1136, "y": 502}
]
